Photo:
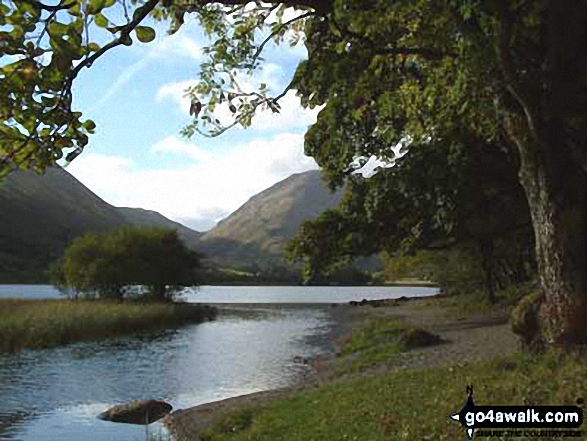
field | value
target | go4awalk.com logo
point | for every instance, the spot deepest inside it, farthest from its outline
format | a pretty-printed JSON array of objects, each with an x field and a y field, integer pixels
[{"x": 518, "y": 419}]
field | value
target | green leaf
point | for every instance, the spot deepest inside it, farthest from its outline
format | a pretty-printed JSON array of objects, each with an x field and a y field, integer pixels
[
  {"x": 89, "y": 125},
  {"x": 101, "y": 21},
  {"x": 95, "y": 6},
  {"x": 145, "y": 34}
]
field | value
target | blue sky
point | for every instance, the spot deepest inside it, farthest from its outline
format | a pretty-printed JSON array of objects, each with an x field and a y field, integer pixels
[{"x": 137, "y": 157}]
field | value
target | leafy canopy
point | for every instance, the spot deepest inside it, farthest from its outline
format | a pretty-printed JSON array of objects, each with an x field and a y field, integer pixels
[
  {"x": 44, "y": 47},
  {"x": 365, "y": 64},
  {"x": 107, "y": 265}
]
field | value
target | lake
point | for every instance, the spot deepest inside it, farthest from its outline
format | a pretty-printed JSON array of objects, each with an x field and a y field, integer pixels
[
  {"x": 254, "y": 294},
  {"x": 55, "y": 394}
]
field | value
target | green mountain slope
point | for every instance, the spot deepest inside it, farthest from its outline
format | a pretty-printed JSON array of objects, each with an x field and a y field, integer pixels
[
  {"x": 149, "y": 218},
  {"x": 254, "y": 235},
  {"x": 41, "y": 214}
]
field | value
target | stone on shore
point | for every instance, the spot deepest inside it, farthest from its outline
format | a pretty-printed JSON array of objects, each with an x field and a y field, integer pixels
[{"x": 137, "y": 412}]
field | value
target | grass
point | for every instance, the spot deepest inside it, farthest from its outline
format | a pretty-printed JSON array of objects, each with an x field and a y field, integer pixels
[
  {"x": 409, "y": 405},
  {"x": 466, "y": 303},
  {"x": 43, "y": 323},
  {"x": 379, "y": 341},
  {"x": 405, "y": 405}
]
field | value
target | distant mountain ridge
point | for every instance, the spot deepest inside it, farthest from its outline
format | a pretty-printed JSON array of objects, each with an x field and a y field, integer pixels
[
  {"x": 254, "y": 235},
  {"x": 41, "y": 214}
]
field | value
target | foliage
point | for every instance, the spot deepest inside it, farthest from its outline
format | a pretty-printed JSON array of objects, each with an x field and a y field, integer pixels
[
  {"x": 107, "y": 265},
  {"x": 439, "y": 196},
  {"x": 43, "y": 323},
  {"x": 461, "y": 304},
  {"x": 47, "y": 45}
]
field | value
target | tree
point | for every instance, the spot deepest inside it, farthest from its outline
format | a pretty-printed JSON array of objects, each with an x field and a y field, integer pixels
[
  {"x": 108, "y": 265},
  {"x": 466, "y": 197},
  {"x": 515, "y": 68}
]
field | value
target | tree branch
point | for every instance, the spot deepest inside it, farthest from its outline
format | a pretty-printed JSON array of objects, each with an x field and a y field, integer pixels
[
  {"x": 320, "y": 6},
  {"x": 275, "y": 32},
  {"x": 124, "y": 33},
  {"x": 506, "y": 63},
  {"x": 431, "y": 53}
]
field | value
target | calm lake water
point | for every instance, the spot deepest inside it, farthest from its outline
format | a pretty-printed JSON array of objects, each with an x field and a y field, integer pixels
[
  {"x": 254, "y": 294},
  {"x": 55, "y": 394}
]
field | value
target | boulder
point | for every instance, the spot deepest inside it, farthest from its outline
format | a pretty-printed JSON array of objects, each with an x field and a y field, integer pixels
[
  {"x": 137, "y": 412},
  {"x": 418, "y": 338}
]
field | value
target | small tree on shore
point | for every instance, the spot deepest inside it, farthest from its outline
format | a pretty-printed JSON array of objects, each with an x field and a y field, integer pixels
[{"x": 108, "y": 265}]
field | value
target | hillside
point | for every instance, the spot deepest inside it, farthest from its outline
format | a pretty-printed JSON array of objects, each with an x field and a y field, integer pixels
[
  {"x": 253, "y": 236},
  {"x": 149, "y": 218},
  {"x": 41, "y": 214}
]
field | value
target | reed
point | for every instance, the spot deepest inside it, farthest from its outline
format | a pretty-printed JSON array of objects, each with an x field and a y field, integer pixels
[{"x": 44, "y": 323}]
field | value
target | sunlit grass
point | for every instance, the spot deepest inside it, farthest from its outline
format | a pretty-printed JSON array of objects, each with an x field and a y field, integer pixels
[
  {"x": 477, "y": 302},
  {"x": 379, "y": 341},
  {"x": 43, "y": 323},
  {"x": 409, "y": 405}
]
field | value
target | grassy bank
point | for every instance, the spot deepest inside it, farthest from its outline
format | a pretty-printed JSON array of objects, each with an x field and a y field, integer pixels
[
  {"x": 368, "y": 398},
  {"x": 43, "y": 323},
  {"x": 379, "y": 341},
  {"x": 410, "y": 405}
]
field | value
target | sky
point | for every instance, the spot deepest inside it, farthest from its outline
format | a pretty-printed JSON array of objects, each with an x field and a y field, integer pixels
[{"x": 137, "y": 158}]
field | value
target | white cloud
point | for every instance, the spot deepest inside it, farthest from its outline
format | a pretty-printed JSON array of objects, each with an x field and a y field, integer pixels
[
  {"x": 166, "y": 47},
  {"x": 172, "y": 144},
  {"x": 176, "y": 92},
  {"x": 207, "y": 188}
]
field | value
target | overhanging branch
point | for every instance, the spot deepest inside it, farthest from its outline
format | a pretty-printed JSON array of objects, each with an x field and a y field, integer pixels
[{"x": 275, "y": 32}]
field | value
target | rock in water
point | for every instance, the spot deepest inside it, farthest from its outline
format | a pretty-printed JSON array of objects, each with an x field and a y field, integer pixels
[{"x": 137, "y": 412}]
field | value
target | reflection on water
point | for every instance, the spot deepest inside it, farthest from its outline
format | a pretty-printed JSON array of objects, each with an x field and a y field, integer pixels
[{"x": 55, "y": 394}]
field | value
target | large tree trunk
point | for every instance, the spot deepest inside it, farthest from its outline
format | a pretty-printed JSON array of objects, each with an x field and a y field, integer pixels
[
  {"x": 556, "y": 187},
  {"x": 548, "y": 127}
]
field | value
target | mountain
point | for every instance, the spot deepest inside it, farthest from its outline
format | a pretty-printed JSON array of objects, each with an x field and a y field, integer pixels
[
  {"x": 254, "y": 235},
  {"x": 148, "y": 218},
  {"x": 41, "y": 214}
]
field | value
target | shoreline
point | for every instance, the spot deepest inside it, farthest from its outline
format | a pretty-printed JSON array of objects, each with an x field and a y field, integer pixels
[
  {"x": 186, "y": 424},
  {"x": 466, "y": 339}
]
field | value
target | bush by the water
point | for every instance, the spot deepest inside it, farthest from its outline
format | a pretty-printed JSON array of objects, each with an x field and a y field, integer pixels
[{"x": 42, "y": 323}]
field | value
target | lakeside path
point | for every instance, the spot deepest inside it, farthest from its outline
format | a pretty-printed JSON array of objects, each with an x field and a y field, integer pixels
[{"x": 469, "y": 338}]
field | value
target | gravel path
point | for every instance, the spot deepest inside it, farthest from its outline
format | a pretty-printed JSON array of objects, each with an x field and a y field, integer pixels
[{"x": 467, "y": 339}]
